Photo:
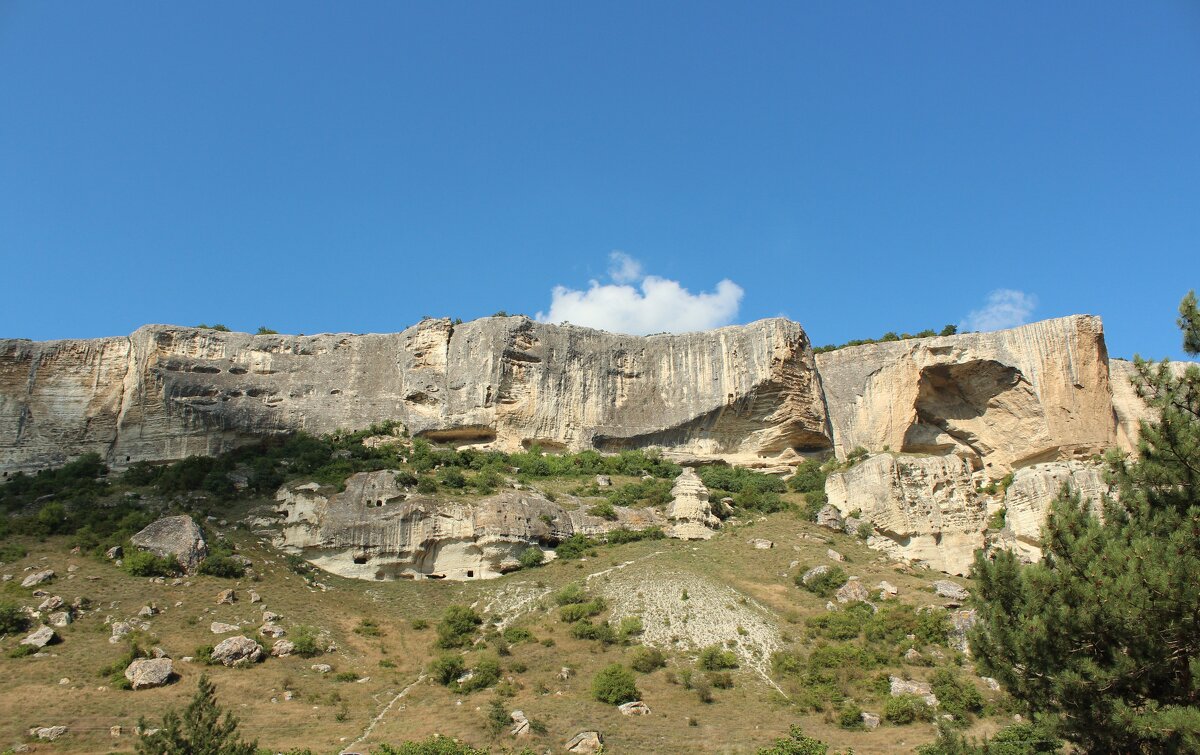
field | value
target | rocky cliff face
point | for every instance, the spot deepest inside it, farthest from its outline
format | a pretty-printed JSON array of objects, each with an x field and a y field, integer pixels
[
  {"x": 163, "y": 393},
  {"x": 1002, "y": 400}
]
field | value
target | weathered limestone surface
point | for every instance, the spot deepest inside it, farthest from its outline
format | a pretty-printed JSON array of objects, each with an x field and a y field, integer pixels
[
  {"x": 1027, "y": 500},
  {"x": 375, "y": 529},
  {"x": 923, "y": 508},
  {"x": 1004, "y": 399},
  {"x": 690, "y": 511},
  {"x": 1129, "y": 407},
  {"x": 168, "y": 392}
]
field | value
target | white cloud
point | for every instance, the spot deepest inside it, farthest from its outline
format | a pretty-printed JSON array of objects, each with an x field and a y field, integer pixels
[
  {"x": 657, "y": 305},
  {"x": 624, "y": 269},
  {"x": 1005, "y": 308}
]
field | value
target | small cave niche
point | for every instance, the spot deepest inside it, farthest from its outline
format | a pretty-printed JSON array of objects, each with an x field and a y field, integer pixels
[
  {"x": 470, "y": 573},
  {"x": 361, "y": 558}
]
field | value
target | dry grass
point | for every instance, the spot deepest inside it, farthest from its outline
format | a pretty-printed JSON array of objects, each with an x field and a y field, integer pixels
[{"x": 730, "y": 584}]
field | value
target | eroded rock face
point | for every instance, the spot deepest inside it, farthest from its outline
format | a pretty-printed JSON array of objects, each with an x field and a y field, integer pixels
[
  {"x": 1027, "y": 500},
  {"x": 1004, "y": 399},
  {"x": 922, "y": 508},
  {"x": 376, "y": 529},
  {"x": 169, "y": 392},
  {"x": 690, "y": 511}
]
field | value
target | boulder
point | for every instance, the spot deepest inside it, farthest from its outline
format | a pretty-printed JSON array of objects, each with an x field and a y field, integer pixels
[
  {"x": 833, "y": 555},
  {"x": 585, "y": 743},
  {"x": 60, "y": 619},
  {"x": 237, "y": 651},
  {"x": 887, "y": 588},
  {"x": 147, "y": 673},
  {"x": 830, "y": 518},
  {"x": 40, "y": 637},
  {"x": 813, "y": 573},
  {"x": 255, "y": 597},
  {"x": 762, "y": 544},
  {"x": 220, "y": 627},
  {"x": 176, "y": 536},
  {"x": 283, "y": 648},
  {"x": 226, "y": 597},
  {"x": 119, "y": 630},
  {"x": 52, "y": 603},
  {"x": 952, "y": 590},
  {"x": 273, "y": 631},
  {"x": 49, "y": 733},
  {"x": 635, "y": 708},
  {"x": 322, "y": 668},
  {"x": 115, "y": 552},
  {"x": 899, "y": 687},
  {"x": 870, "y": 720},
  {"x": 38, "y": 578},
  {"x": 603, "y": 481},
  {"x": 853, "y": 590},
  {"x": 270, "y": 617}
]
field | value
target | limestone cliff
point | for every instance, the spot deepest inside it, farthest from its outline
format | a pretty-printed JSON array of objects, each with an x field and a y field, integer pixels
[
  {"x": 167, "y": 392},
  {"x": 1004, "y": 399}
]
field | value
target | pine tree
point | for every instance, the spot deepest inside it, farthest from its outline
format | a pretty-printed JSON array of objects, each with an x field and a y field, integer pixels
[
  {"x": 1101, "y": 640},
  {"x": 201, "y": 731}
]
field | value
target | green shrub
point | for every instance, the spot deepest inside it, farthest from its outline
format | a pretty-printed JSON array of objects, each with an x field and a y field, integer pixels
[
  {"x": 419, "y": 624},
  {"x": 146, "y": 564},
  {"x": 956, "y": 696},
  {"x": 435, "y": 745},
  {"x": 796, "y": 743},
  {"x": 531, "y": 557},
  {"x": 222, "y": 566},
  {"x": 715, "y": 658},
  {"x": 405, "y": 478},
  {"x": 604, "y": 510},
  {"x": 996, "y": 521},
  {"x": 457, "y": 626},
  {"x": 10, "y": 552},
  {"x": 720, "y": 679},
  {"x": 484, "y": 674},
  {"x": 571, "y": 594},
  {"x": 447, "y": 667},
  {"x": 602, "y": 632},
  {"x": 345, "y": 676},
  {"x": 304, "y": 637},
  {"x": 615, "y": 685},
  {"x": 904, "y": 709},
  {"x": 12, "y": 618},
  {"x": 809, "y": 477},
  {"x": 452, "y": 478},
  {"x": 849, "y": 716},
  {"x": 623, "y": 535},
  {"x": 427, "y": 486},
  {"x": 825, "y": 584},
  {"x": 631, "y": 626},
  {"x": 575, "y": 546},
  {"x": 647, "y": 659},
  {"x": 368, "y": 628},
  {"x": 517, "y": 635}
]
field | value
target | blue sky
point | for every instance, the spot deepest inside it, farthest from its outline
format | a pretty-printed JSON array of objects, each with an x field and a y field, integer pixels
[{"x": 354, "y": 166}]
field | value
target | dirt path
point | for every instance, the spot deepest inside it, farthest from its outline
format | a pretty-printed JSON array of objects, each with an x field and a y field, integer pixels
[{"x": 375, "y": 721}]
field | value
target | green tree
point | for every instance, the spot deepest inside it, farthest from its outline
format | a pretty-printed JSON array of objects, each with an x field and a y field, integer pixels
[
  {"x": 1102, "y": 638},
  {"x": 201, "y": 730},
  {"x": 614, "y": 685}
]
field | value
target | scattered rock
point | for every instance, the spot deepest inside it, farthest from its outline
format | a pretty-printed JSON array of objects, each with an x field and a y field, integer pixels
[
  {"x": 158, "y": 652},
  {"x": 762, "y": 544},
  {"x": 888, "y": 588},
  {"x": 147, "y": 673},
  {"x": 147, "y": 611},
  {"x": 603, "y": 481},
  {"x": 922, "y": 690},
  {"x": 635, "y": 708},
  {"x": 283, "y": 648},
  {"x": 50, "y": 604},
  {"x": 521, "y": 727},
  {"x": 59, "y": 619},
  {"x": 48, "y": 733},
  {"x": 992, "y": 684},
  {"x": 322, "y": 668},
  {"x": 565, "y": 673},
  {"x": 813, "y": 573},
  {"x": 40, "y": 637},
  {"x": 255, "y": 597},
  {"x": 177, "y": 536},
  {"x": 119, "y": 630},
  {"x": 912, "y": 655},
  {"x": 274, "y": 631},
  {"x": 270, "y": 617},
  {"x": 952, "y": 590},
  {"x": 829, "y": 517},
  {"x": 237, "y": 651},
  {"x": 115, "y": 552},
  {"x": 220, "y": 627},
  {"x": 585, "y": 743},
  {"x": 833, "y": 555},
  {"x": 870, "y": 720},
  {"x": 115, "y": 731},
  {"x": 853, "y": 590},
  {"x": 38, "y": 578},
  {"x": 226, "y": 597}
]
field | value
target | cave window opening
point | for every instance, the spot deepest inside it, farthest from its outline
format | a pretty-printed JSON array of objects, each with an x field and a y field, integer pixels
[
  {"x": 470, "y": 573},
  {"x": 378, "y": 504},
  {"x": 360, "y": 559},
  {"x": 126, "y": 459}
]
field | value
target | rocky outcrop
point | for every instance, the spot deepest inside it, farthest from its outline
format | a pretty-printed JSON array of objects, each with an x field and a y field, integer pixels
[
  {"x": 1027, "y": 500},
  {"x": 690, "y": 511},
  {"x": 168, "y": 392},
  {"x": 377, "y": 529},
  {"x": 148, "y": 673},
  {"x": 1002, "y": 400},
  {"x": 922, "y": 508},
  {"x": 175, "y": 536},
  {"x": 237, "y": 651}
]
